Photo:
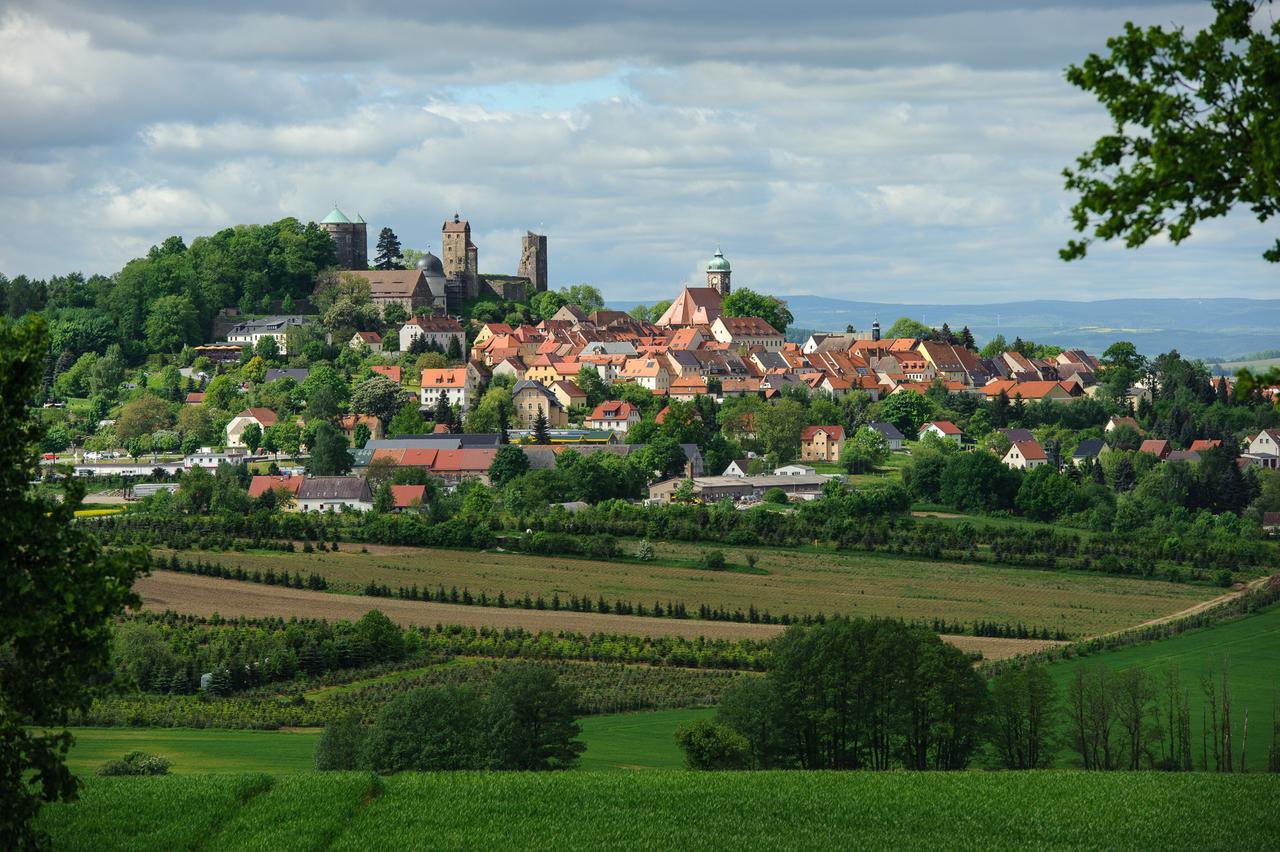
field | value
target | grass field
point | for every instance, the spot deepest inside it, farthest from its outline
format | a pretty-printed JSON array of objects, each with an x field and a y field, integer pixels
[
  {"x": 621, "y": 741},
  {"x": 795, "y": 582},
  {"x": 664, "y": 810},
  {"x": 636, "y": 740},
  {"x": 1252, "y": 646},
  {"x": 197, "y": 751}
]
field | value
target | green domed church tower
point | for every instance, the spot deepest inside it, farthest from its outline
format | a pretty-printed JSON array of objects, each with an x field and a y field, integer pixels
[
  {"x": 351, "y": 239},
  {"x": 718, "y": 273}
]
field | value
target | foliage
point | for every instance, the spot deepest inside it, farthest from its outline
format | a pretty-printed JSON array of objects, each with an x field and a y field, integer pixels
[
  {"x": 747, "y": 303},
  {"x": 858, "y": 694},
  {"x": 508, "y": 463},
  {"x": 711, "y": 745},
  {"x": 778, "y": 428},
  {"x": 59, "y": 591},
  {"x": 865, "y": 450},
  {"x": 379, "y": 397},
  {"x": 389, "y": 255},
  {"x": 1024, "y": 719},
  {"x": 329, "y": 453},
  {"x": 907, "y": 327},
  {"x": 585, "y": 296},
  {"x": 136, "y": 763},
  {"x": 907, "y": 411},
  {"x": 1195, "y": 122}
]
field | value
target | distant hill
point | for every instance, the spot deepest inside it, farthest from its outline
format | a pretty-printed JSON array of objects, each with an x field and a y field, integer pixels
[{"x": 1197, "y": 328}]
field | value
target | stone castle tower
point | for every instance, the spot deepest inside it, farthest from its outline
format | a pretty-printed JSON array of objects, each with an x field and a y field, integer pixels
[
  {"x": 351, "y": 239},
  {"x": 460, "y": 256},
  {"x": 533, "y": 261},
  {"x": 718, "y": 273}
]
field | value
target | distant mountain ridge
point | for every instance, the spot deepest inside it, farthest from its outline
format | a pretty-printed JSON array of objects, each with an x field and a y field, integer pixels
[{"x": 1197, "y": 328}]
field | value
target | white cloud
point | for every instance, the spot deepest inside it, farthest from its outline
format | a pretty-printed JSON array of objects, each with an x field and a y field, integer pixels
[{"x": 868, "y": 154}]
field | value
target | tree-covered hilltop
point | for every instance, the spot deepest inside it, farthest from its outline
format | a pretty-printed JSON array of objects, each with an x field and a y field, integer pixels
[{"x": 168, "y": 299}]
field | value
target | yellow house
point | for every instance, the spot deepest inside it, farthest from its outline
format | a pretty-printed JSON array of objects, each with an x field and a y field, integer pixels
[
  {"x": 821, "y": 443},
  {"x": 530, "y": 398}
]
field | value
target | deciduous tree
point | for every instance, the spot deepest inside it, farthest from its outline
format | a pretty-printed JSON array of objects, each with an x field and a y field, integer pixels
[
  {"x": 59, "y": 592},
  {"x": 1195, "y": 123}
]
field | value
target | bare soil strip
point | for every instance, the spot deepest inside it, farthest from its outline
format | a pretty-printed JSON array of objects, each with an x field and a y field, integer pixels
[{"x": 196, "y": 595}]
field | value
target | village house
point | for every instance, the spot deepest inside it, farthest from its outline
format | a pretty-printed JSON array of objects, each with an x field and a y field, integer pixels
[
  {"x": 738, "y": 467},
  {"x": 1116, "y": 422},
  {"x": 263, "y": 417},
  {"x": 1087, "y": 450},
  {"x": 687, "y": 389},
  {"x": 250, "y": 332},
  {"x": 411, "y": 289},
  {"x": 1156, "y": 447},
  {"x": 334, "y": 494},
  {"x": 454, "y": 384},
  {"x": 367, "y": 338},
  {"x": 889, "y": 432},
  {"x": 742, "y": 488},
  {"x": 438, "y": 331},
  {"x": 407, "y": 497},
  {"x": 1264, "y": 449},
  {"x": 568, "y": 393},
  {"x": 531, "y": 398},
  {"x": 649, "y": 373},
  {"x": 746, "y": 333},
  {"x": 944, "y": 429},
  {"x": 614, "y": 415},
  {"x": 1025, "y": 455},
  {"x": 1033, "y": 391},
  {"x": 821, "y": 443},
  {"x": 388, "y": 371},
  {"x": 286, "y": 488},
  {"x": 348, "y": 423}
]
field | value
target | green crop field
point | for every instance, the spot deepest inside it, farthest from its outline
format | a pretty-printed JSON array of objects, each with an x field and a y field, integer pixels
[
  {"x": 1250, "y": 644},
  {"x": 664, "y": 810},
  {"x": 790, "y": 581}
]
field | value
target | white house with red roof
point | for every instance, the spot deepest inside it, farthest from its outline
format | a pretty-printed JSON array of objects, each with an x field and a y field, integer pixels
[
  {"x": 454, "y": 384},
  {"x": 263, "y": 417},
  {"x": 613, "y": 415},
  {"x": 944, "y": 429},
  {"x": 1025, "y": 455}
]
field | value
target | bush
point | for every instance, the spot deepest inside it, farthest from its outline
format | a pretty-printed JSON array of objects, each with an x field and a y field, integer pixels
[
  {"x": 710, "y": 745},
  {"x": 775, "y": 495},
  {"x": 713, "y": 560},
  {"x": 136, "y": 763},
  {"x": 339, "y": 745},
  {"x": 644, "y": 551}
]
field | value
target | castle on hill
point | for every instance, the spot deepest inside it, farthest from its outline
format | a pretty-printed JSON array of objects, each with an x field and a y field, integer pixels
[{"x": 441, "y": 284}]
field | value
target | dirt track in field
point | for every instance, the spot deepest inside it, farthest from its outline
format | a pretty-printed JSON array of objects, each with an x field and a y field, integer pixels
[{"x": 195, "y": 595}]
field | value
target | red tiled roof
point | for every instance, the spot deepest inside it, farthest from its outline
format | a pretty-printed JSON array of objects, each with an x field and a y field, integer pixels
[
  {"x": 833, "y": 432},
  {"x": 391, "y": 372},
  {"x": 944, "y": 426},
  {"x": 260, "y": 485},
  {"x": 408, "y": 495},
  {"x": 613, "y": 410},
  {"x": 1031, "y": 450},
  {"x": 265, "y": 416}
]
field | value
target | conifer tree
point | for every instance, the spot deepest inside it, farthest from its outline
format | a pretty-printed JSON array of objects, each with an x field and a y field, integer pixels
[
  {"x": 389, "y": 255},
  {"x": 541, "y": 432}
]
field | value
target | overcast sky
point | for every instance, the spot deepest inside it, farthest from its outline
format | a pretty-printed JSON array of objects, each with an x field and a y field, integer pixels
[{"x": 904, "y": 151}]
